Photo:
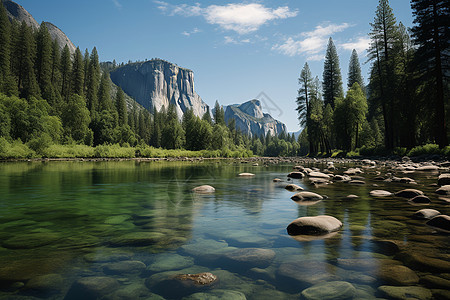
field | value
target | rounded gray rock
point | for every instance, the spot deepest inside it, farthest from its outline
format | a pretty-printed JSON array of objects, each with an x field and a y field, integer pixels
[
  {"x": 335, "y": 290},
  {"x": 314, "y": 225}
]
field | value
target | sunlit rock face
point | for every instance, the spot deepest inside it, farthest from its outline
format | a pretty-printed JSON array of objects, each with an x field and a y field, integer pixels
[
  {"x": 157, "y": 83},
  {"x": 18, "y": 13},
  {"x": 251, "y": 120}
]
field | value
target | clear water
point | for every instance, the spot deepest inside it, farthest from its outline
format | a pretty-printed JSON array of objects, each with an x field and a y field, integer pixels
[{"x": 74, "y": 219}]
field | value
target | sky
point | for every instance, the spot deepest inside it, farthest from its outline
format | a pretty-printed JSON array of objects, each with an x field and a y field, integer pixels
[{"x": 238, "y": 50}]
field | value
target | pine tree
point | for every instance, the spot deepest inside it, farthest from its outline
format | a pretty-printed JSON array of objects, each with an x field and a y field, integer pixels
[
  {"x": 7, "y": 84},
  {"x": 383, "y": 37},
  {"x": 432, "y": 35},
  {"x": 93, "y": 81},
  {"x": 44, "y": 63},
  {"x": 104, "y": 98},
  {"x": 354, "y": 71},
  {"x": 207, "y": 116},
  {"x": 86, "y": 62},
  {"x": 219, "y": 115},
  {"x": 332, "y": 80},
  {"x": 303, "y": 99},
  {"x": 77, "y": 76},
  {"x": 25, "y": 53},
  {"x": 66, "y": 70},
  {"x": 121, "y": 107}
]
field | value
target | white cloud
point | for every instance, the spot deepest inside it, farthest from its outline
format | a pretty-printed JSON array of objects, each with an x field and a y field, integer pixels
[
  {"x": 360, "y": 45},
  {"x": 241, "y": 18},
  {"x": 193, "y": 31},
  {"x": 117, "y": 4},
  {"x": 311, "y": 43},
  {"x": 230, "y": 40}
]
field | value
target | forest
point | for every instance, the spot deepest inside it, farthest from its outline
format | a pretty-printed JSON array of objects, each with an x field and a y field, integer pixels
[
  {"x": 406, "y": 102},
  {"x": 57, "y": 104}
]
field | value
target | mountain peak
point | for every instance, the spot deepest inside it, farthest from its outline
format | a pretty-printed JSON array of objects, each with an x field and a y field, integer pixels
[{"x": 17, "y": 12}]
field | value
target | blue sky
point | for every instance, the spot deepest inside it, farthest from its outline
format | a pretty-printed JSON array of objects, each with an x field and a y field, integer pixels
[{"x": 237, "y": 50}]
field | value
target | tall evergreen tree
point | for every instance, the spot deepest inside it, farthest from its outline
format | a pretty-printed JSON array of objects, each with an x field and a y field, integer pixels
[
  {"x": 25, "y": 53},
  {"x": 7, "y": 84},
  {"x": 219, "y": 114},
  {"x": 354, "y": 71},
  {"x": 66, "y": 71},
  {"x": 304, "y": 99},
  {"x": 44, "y": 63},
  {"x": 86, "y": 61},
  {"x": 121, "y": 107},
  {"x": 104, "y": 97},
  {"x": 77, "y": 76},
  {"x": 383, "y": 37},
  {"x": 432, "y": 35},
  {"x": 93, "y": 81},
  {"x": 332, "y": 79}
]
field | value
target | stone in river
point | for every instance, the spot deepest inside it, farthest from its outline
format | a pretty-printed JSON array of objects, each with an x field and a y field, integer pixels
[
  {"x": 298, "y": 175},
  {"x": 343, "y": 178},
  {"x": 137, "y": 239},
  {"x": 115, "y": 220},
  {"x": 441, "y": 222},
  {"x": 329, "y": 290},
  {"x": 428, "y": 169},
  {"x": 405, "y": 292},
  {"x": 421, "y": 199},
  {"x": 443, "y": 190},
  {"x": 306, "y": 196},
  {"x": 360, "y": 182},
  {"x": 319, "y": 175},
  {"x": 125, "y": 267},
  {"x": 276, "y": 180},
  {"x": 418, "y": 261},
  {"x": 306, "y": 273},
  {"x": 94, "y": 287},
  {"x": 30, "y": 240},
  {"x": 314, "y": 225},
  {"x": 435, "y": 282},
  {"x": 204, "y": 189},
  {"x": 368, "y": 265},
  {"x": 397, "y": 275},
  {"x": 166, "y": 262},
  {"x": 46, "y": 283},
  {"x": 351, "y": 196},
  {"x": 426, "y": 213},
  {"x": 408, "y": 193},
  {"x": 180, "y": 285},
  {"x": 444, "y": 179},
  {"x": 217, "y": 295},
  {"x": 246, "y": 174},
  {"x": 293, "y": 187},
  {"x": 380, "y": 193},
  {"x": 251, "y": 257}
]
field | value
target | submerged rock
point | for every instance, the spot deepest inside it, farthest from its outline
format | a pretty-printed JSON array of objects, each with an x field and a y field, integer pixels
[
  {"x": 181, "y": 285},
  {"x": 408, "y": 193},
  {"x": 441, "y": 222},
  {"x": 418, "y": 261},
  {"x": 166, "y": 262},
  {"x": 276, "y": 180},
  {"x": 137, "y": 239},
  {"x": 306, "y": 273},
  {"x": 251, "y": 257},
  {"x": 330, "y": 290},
  {"x": 46, "y": 283},
  {"x": 405, "y": 292},
  {"x": 92, "y": 288},
  {"x": 217, "y": 295},
  {"x": 314, "y": 225},
  {"x": 125, "y": 267},
  {"x": 31, "y": 240},
  {"x": 426, "y": 213},
  {"x": 204, "y": 189},
  {"x": 397, "y": 275}
]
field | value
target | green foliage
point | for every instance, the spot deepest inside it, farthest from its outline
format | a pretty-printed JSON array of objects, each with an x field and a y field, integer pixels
[
  {"x": 354, "y": 71},
  {"x": 424, "y": 150},
  {"x": 114, "y": 151},
  {"x": 14, "y": 149},
  {"x": 77, "y": 75},
  {"x": 219, "y": 114},
  {"x": 332, "y": 79},
  {"x": 76, "y": 118}
]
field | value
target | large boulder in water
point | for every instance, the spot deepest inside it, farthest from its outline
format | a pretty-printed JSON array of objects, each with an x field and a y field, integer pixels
[
  {"x": 408, "y": 193},
  {"x": 443, "y": 190},
  {"x": 92, "y": 288},
  {"x": 293, "y": 187},
  {"x": 317, "y": 225},
  {"x": 297, "y": 175},
  {"x": 306, "y": 196},
  {"x": 204, "y": 189},
  {"x": 319, "y": 175},
  {"x": 380, "y": 193},
  {"x": 444, "y": 179},
  {"x": 405, "y": 292},
  {"x": 441, "y": 222},
  {"x": 426, "y": 213}
]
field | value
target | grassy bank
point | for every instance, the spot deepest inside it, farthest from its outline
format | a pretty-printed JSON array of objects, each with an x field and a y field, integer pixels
[{"x": 19, "y": 150}]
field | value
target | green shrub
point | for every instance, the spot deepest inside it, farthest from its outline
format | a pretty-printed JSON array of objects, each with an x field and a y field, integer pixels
[
  {"x": 400, "y": 151},
  {"x": 114, "y": 151},
  {"x": 425, "y": 150},
  {"x": 68, "y": 151},
  {"x": 352, "y": 154},
  {"x": 14, "y": 149}
]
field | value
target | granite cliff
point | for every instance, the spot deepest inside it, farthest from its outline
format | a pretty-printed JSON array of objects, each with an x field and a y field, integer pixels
[
  {"x": 251, "y": 120},
  {"x": 157, "y": 83},
  {"x": 20, "y": 14}
]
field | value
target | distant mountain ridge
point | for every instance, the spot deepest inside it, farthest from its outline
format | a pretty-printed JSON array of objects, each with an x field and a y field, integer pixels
[
  {"x": 20, "y": 14},
  {"x": 251, "y": 120}
]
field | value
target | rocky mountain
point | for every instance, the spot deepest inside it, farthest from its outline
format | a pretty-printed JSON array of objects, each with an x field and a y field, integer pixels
[
  {"x": 251, "y": 120},
  {"x": 20, "y": 14},
  {"x": 157, "y": 83}
]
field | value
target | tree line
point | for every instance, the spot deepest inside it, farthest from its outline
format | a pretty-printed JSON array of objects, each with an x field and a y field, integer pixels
[
  {"x": 49, "y": 96},
  {"x": 406, "y": 102}
]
